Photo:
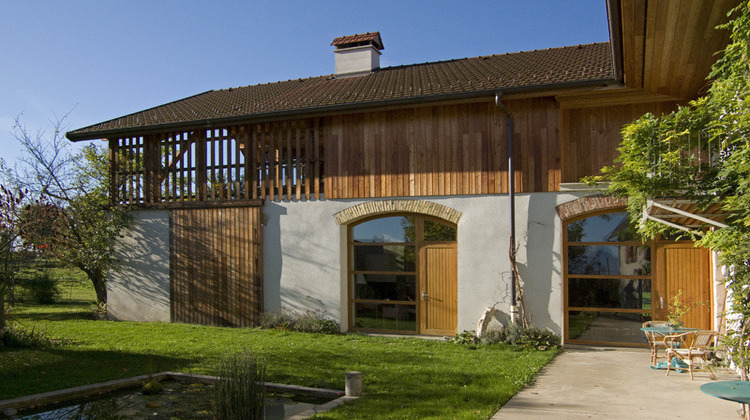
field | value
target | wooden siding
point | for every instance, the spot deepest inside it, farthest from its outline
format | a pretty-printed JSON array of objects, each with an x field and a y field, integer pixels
[
  {"x": 441, "y": 150},
  {"x": 590, "y": 136},
  {"x": 281, "y": 161},
  {"x": 449, "y": 149},
  {"x": 216, "y": 266}
]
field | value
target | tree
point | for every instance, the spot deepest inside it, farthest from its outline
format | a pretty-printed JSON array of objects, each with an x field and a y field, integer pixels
[
  {"x": 702, "y": 152},
  {"x": 13, "y": 250},
  {"x": 10, "y": 205},
  {"x": 75, "y": 185}
]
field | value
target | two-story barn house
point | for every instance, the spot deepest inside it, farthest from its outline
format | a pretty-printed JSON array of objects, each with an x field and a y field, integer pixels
[{"x": 381, "y": 196}]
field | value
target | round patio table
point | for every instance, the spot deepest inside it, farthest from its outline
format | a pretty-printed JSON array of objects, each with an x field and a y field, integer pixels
[
  {"x": 737, "y": 391},
  {"x": 668, "y": 330}
]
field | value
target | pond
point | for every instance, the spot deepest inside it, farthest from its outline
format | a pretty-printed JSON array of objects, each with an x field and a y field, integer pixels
[
  {"x": 185, "y": 401},
  {"x": 184, "y": 397}
]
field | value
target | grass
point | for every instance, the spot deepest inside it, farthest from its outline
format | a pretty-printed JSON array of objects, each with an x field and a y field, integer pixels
[{"x": 403, "y": 377}]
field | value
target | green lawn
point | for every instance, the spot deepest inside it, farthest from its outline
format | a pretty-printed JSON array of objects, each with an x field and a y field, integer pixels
[{"x": 403, "y": 377}]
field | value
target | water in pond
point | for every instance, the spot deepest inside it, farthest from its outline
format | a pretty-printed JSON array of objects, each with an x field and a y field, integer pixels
[{"x": 180, "y": 400}]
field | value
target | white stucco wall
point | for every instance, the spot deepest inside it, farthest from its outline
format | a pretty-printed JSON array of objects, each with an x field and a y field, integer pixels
[
  {"x": 304, "y": 259},
  {"x": 139, "y": 290},
  {"x": 305, "y": 256}
]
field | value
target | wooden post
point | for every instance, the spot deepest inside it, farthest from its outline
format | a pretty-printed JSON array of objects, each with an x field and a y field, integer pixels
[
  {"x": 316, "y": 151},
  {"x": 200, "y": 164},
  {"x": 113, "y": 163}
]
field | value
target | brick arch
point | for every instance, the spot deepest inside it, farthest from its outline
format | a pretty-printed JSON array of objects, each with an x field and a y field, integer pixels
[
  {"x": 592, "y": 203},
  {"x": 383, "y": 207}
]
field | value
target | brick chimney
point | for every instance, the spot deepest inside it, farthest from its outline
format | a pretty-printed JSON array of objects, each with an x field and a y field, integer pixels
[{"x": 357, "y": 55}]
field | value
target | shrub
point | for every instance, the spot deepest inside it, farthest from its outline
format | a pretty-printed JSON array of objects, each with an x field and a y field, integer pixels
[
  {"x": 240, "y": 393},
  {"x": 42, "y": 288},
  {"x": 310, "y": 321},
  {"x": 493, "y": 336},
  {"x": 276, "y": 319},
  {"x": 16, "y": 338},
  {"x": 538, "y": 338},
  {"x": 465, "y": 337},
  {"x": 515, "y": 335}
]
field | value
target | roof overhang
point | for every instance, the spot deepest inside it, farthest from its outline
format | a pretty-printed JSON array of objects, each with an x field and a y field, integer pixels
[{"x": 667, "y": 47}]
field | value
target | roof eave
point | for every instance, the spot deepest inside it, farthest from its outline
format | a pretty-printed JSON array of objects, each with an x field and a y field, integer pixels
[
  {"x": 614, "y": 18},
  {"x": 328, "y": 109}
]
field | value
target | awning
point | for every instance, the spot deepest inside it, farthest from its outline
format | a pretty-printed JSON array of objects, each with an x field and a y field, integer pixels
[{"x": 684, "y": 215}]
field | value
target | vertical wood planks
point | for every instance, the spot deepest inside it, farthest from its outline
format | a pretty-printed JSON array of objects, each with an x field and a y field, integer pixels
[
  {"x": 458, "y": 149},
  {"x": 288, "y": 168},
  {"x": 590, "y": 136},
  {"x": 297, "y": 167},
  {"x": 441, "y": 150},
  {"x": 114, "y": 180},
  {"x": 272, "y": 162},
  {"x": 317, "y": 157},
  {"x": 253, "y": 170},
  {"x": 215, "y": 275},
  {"x": 201, "y": 175}
]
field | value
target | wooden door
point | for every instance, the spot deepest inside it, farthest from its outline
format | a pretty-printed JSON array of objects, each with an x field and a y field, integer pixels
[
  {"x": 438, "y": 290},
  {"x": 682, "y": 267}
]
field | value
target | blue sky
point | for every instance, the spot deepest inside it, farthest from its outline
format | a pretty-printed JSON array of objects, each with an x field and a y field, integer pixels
[{"x": 104, "y": 59}]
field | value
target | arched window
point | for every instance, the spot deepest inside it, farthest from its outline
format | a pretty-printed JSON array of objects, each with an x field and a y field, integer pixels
[
  {"x": 608, "y": 280},
  {"x": 387, "y": 286}
]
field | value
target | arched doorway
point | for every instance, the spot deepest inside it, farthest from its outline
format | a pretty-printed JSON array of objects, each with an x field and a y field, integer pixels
[
  {"x": 402, "y": 274},
  {"x": 614, "y": 281}
]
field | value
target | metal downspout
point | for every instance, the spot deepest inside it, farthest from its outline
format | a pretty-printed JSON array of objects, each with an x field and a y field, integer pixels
[{"x": 512, "y": 196}]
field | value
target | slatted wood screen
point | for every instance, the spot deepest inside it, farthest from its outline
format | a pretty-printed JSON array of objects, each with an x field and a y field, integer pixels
[
  {"x": 216, "y": 266},
  {"x": 278, "y": 161},
  {"x": 441, "y": 150}
]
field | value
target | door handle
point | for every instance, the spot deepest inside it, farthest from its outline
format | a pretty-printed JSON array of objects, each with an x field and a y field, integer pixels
[
  {"x": 661, "y": 302},
  {"x": 425, "y": 295}
]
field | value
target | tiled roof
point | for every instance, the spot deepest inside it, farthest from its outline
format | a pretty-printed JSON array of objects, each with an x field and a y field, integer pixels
[
  {"x": 538, "y": 69},
  {"x": 355, "y": 39}
]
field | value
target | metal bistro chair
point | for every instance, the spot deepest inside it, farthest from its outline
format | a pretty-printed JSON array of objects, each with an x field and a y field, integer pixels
[
  {"x": 700, "y": 348},
  {"x": 655, "y": 341}
]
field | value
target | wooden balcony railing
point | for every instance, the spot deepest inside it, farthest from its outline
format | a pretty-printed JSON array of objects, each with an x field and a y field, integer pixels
[{"x": 275, "y": 161}]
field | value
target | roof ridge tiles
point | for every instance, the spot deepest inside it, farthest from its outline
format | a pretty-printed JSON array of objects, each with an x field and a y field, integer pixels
[{"x": 491, "y": 55}]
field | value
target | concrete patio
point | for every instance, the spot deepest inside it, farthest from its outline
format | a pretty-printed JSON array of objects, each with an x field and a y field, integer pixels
[{"x": 615, "y": 383}]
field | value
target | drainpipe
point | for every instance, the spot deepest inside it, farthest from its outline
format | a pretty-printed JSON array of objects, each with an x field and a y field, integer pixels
[{"x": 512, "y": 196}]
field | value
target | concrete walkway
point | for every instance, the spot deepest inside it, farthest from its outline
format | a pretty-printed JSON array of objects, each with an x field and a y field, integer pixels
[{"x": 615, "y": 383}]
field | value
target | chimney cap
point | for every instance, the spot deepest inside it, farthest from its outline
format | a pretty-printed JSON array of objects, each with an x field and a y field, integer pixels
[{"x": 369, "y": 38}]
